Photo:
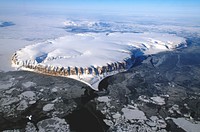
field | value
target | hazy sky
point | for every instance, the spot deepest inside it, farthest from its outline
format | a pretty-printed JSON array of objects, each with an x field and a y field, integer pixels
[{"x": 181, "y": 7}]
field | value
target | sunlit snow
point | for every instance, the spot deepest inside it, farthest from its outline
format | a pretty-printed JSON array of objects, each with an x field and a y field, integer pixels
[{"x": 85, "y": 54}]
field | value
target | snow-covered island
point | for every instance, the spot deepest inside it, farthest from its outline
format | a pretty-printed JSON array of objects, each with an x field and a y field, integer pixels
[{"x": 91, "y": 57}]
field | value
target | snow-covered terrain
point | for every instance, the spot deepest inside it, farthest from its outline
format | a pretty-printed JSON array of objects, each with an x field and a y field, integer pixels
[
  {"x": 132, "y": 25},
  {"x": 90, "y": 57},
  {"x": 32, "y": 28},
  {"x": 26, "y": 30}
]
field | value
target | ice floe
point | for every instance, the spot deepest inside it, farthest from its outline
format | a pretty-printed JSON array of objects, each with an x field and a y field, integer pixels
[
  {"x": 48, "y": 107},
  {"x": 186, "y": 125}
]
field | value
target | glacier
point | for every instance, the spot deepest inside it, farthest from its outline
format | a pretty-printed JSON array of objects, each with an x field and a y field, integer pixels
[{"x": 91, "y": 57}]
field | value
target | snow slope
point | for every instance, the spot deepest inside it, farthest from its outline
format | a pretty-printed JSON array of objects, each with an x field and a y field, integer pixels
[{"x": 86, "y": 52}]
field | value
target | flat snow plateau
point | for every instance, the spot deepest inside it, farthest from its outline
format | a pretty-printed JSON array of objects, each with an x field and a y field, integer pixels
[
  {"x": 96, "y": 49},
  {"x": 93, "y": 50}
]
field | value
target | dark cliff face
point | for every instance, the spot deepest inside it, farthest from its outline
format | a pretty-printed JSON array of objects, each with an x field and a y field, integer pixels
[{"x": 37, "y": 66}]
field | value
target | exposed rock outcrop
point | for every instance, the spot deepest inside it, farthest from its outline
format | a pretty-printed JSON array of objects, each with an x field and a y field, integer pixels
[{"x": 103, "y": 71}]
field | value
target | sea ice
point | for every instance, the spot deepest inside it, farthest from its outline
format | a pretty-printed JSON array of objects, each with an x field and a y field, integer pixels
[
  {"x": 186, "y": 125},
  {"x": 103, "y": 99},
  {"x": 48, "y": 107},
  {"x": 131, "y": 114}
]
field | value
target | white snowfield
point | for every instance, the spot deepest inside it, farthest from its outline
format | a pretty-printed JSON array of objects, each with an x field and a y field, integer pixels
[{"x": 90, "y": 57}]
